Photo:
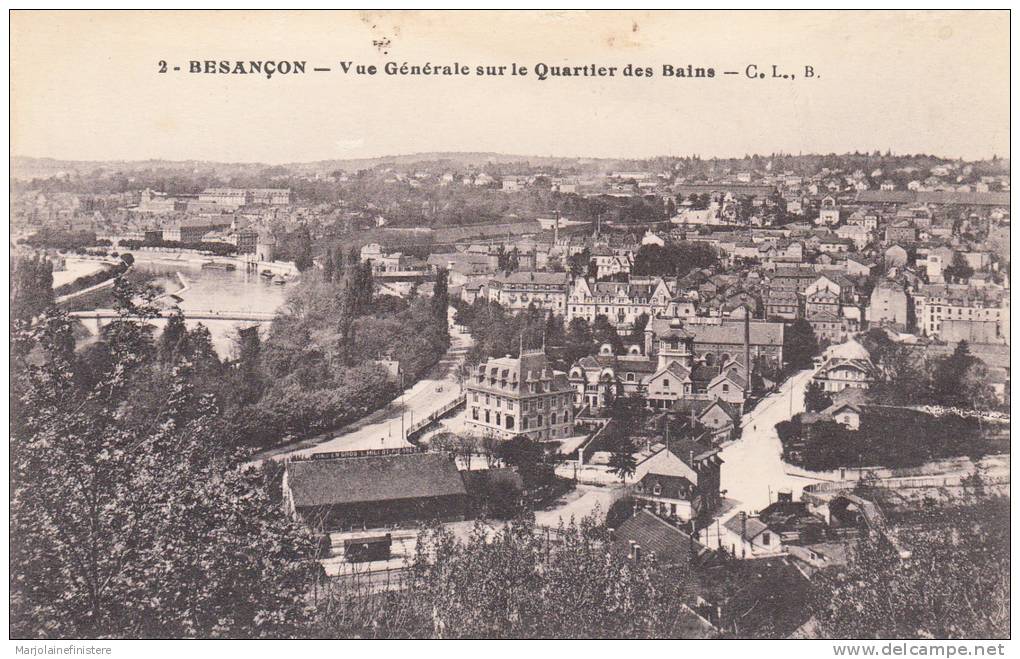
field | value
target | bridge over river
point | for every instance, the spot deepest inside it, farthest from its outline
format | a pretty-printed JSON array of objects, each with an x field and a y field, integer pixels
[{"x": 96, "y": 318}]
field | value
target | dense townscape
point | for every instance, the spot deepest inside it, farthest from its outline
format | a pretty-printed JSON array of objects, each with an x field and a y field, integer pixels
[{"x": 476, "y": 395}]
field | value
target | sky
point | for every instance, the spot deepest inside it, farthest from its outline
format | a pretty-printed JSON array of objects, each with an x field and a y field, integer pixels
[{"x": 87, "y": 86}]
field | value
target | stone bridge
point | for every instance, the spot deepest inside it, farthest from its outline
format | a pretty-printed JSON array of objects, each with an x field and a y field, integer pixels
[{"x": 96, "y": 318}]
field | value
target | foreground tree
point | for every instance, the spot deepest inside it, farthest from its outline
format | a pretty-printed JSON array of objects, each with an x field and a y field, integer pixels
[
  {"x": 517, "y": 583},
  {"x": 954, "y": 585},
  {"x": 126, "y": 520},
  {"x": 622, "y": 462},
  {"x": 800, "y": 344}
]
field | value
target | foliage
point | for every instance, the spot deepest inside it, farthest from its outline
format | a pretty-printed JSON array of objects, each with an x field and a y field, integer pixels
[
  {"x": 815, "y": 398},
  {"x": 620, "y": 511},
  {"x": 126, "y": 520},
  {"x": 958, "y": 270},
  {"x": 31, "y": 286},
  {"x": 799, "y": 344},
  {"x": 516, "y": 583},
  {"x": 622, "y": 462},
  {"x": 674, "y": 259},
  {"x": 316, "y": 369},
  {"x": 61, "y": 239},
  {"x": 955, "y": 584},
  {"x": 887, "y": 437},
  {"x": 526, "y": 455},
  {"x": 87, "y": 281},
  {"x": 219, "y": 249}
]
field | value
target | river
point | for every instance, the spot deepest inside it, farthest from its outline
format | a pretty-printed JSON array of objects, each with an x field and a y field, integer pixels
[{"x": 218, "y": 290}]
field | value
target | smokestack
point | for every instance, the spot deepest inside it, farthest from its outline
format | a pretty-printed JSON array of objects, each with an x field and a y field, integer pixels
[
  {"x": 556, "y": 229},
  {"x": 747, "y": 346},
  {"x": 743, "y": 525}
]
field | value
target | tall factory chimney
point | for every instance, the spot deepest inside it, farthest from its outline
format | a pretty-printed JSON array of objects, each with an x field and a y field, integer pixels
[{"x": 747, "y": 346}]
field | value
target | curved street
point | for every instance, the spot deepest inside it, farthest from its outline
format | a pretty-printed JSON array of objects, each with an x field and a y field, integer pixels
[
  {"x": 382, "y": 428},
  {"x": 753, "y": 469}
]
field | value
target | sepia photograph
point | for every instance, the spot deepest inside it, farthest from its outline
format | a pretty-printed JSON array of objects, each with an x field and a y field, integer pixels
[{"x": 448, "y": 324}]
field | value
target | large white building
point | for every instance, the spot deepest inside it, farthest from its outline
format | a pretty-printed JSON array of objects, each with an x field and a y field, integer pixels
[{"x": 510, "y": 397}]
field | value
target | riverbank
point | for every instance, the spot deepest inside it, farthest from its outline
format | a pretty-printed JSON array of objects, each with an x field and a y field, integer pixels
[
  {"x": 76, "y": 268},
  {"x": 192, "y": 258}
]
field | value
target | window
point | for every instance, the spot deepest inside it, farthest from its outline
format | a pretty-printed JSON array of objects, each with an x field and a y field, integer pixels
[
  {"x": 665, "y": 383},
  {"x": 509, "y": 422},
  {"x": 487, "y": 416},
  {"x": 726, "y": 388},
  {"x": 765, "y": 539},
  {"x": 657, "y": 490},
  {"x": 630, "y": 377},
  {"x": 474, "y": 413}
]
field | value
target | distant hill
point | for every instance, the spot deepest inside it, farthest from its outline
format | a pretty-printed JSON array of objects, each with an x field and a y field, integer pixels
[{"x": 26, "y": 167}]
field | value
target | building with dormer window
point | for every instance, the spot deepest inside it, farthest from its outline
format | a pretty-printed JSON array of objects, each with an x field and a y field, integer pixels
[{"x": 510, "y": 397}]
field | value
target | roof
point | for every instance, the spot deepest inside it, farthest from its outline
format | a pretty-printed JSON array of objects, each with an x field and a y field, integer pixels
[
  {"x": 754, "y": 526},
  {"x": 762, "y": 333},
  {"x": 531, "y": 277},
  {"x": 670, "y": 544},
  {"x": 670, "y": 487},
  {"x": 849, "y": 349},
  {"x": 372, "y": 479}
]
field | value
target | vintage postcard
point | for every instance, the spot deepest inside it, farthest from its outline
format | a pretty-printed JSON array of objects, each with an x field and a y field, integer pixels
[{"x": 510, "y": 325}]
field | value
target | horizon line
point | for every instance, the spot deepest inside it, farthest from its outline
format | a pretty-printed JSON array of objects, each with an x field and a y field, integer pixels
[{"x": 882, "y": 154}]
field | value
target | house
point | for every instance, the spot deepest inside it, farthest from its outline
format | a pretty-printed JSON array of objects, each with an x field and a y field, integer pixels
[
  {"x": 680, "y": 481},
  {"x": 782, "y": 304},
  {"x": 858, "y": 266},
  {"x": 717, "y": 415},
  {"x": 846, "y": 414},
  {"x": 369, "y": 489},
  {"x": 889, "y": 305},
  {"x": 646, "y": 536},
  {"x": 828, "y": 214},
  {"x": 847, "y": 365},
  {"x": 511, "y": 397},
  {"x": 742, "y": 536},
  {"x": 519, "y": 290},
  {"x": 937, "y": 261},
  {"x": 902, "y": 232},
  {"x": 895, "y": 257},
  {"x": 856, "y": 234},
  {"x": 730, "y": 386},
  {"x": 621, "y": 302}
]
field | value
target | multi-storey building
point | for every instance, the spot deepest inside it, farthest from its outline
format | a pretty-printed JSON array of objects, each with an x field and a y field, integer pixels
[
  {"x": 935, "y": 303},
  {"x": 510, "y": 397},
  {"x": 889, "y": 305},
  {"x": 782, "y": 304},
  {"x": 681, "y": 480},
  {"x": 519, "y": 290},
  {"x": 246, "y": 240},
  {"x": 846, "y": 365},
  {"x": 621, "y": 302}
]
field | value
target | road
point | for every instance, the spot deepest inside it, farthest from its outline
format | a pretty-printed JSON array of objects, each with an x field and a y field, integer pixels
[
  {"x": 753, "y": 468},
  {"x": 382, "y": 428}
]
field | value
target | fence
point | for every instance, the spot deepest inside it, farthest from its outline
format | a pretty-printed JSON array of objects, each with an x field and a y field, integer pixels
[{"x": 416, "y": 429}]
